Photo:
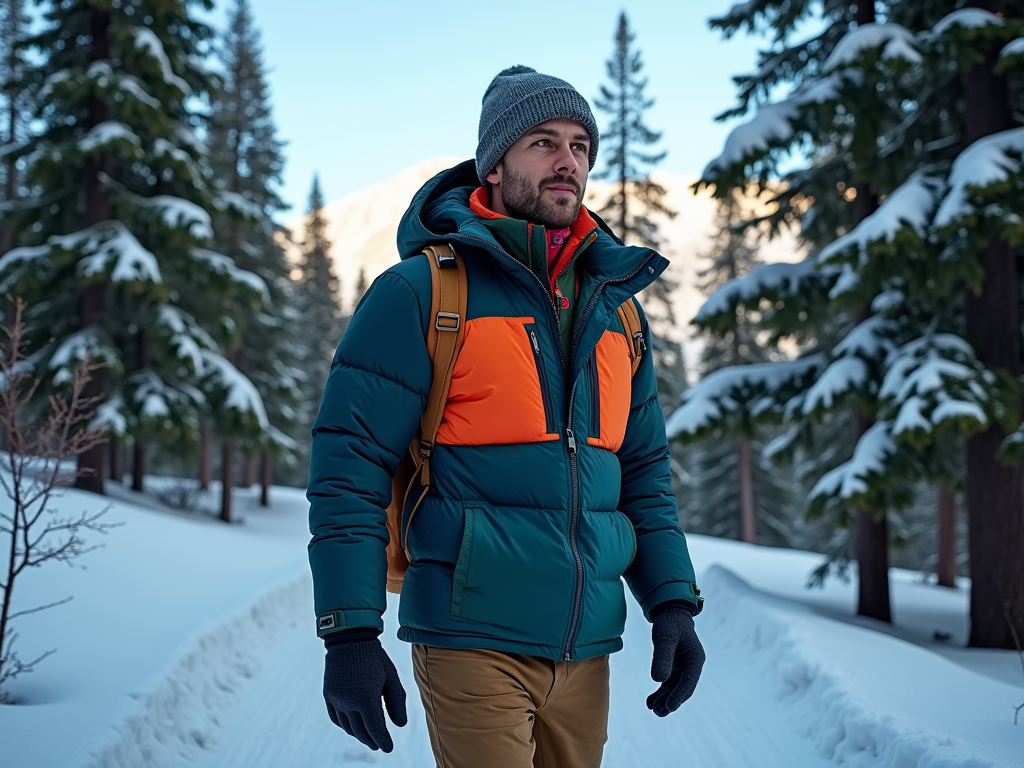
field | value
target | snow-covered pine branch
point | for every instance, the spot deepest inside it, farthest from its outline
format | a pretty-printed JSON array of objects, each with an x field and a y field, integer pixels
[{"x": 741, "y": 394}]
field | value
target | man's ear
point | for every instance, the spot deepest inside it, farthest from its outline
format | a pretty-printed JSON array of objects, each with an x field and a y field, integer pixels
[{"x": 494, "y": 177}]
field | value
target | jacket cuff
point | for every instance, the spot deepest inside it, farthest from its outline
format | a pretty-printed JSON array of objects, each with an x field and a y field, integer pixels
[
  {"x": 335, "y": 621},
  {"x": 686, "y": 591}
]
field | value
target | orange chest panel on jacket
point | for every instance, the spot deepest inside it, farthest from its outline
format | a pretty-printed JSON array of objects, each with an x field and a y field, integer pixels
[
  {"x": 496, "y": 394},
  {"x": 614, "y": 390},
  {"x": 499, "y": 393}
]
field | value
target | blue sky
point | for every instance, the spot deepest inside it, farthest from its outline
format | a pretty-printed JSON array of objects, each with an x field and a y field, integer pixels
[{"x": 361, "y": 90}]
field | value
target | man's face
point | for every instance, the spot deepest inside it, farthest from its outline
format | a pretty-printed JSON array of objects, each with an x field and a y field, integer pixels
[{"x": 542, "y": 177}]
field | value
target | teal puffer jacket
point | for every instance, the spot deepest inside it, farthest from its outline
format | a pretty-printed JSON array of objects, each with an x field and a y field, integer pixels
[{"x": 550, "y": 477}]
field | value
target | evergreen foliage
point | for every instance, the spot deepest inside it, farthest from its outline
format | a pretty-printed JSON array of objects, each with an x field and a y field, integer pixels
[
  {"x": 622, "y": 143},
  {"x": 909, "y": 201},
  {"x": 321, "y": 320},
  {"x": 116, "y": 220},
  {"x": 247, "y": 161}
]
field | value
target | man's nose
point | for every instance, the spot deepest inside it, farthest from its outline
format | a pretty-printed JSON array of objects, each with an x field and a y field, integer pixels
[{"x": 565, "y": 162}]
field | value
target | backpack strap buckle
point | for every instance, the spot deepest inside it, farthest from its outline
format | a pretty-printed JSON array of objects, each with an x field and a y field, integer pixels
[
  {"x": 452, "y": 319},
  {"x": 445, "y": 258}
]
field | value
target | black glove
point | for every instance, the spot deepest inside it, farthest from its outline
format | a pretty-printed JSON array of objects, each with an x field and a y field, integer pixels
[
  {"x": 678, "y": 657},
  {"x": 357, "y": 673}
]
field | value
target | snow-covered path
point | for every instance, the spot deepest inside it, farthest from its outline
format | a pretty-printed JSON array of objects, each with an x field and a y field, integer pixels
[
  {"x": 194, "y": 646},
  {"x": 731, "y": 721}
]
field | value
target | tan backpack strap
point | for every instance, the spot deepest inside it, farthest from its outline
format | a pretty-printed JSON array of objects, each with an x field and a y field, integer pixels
[
  {"x": 445, "y": 335},
  {"x": 630, "y": 319}
]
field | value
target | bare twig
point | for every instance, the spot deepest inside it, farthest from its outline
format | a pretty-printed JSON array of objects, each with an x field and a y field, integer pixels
[{"x": 33, "y": 469}]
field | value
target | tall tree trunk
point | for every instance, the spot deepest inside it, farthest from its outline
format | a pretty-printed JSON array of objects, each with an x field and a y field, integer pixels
[
  {"x": 748, "y": 514},
  {"x": 205, "y": 455},
  {"x": 117, "y": 460},
  {"x": 871, "y": 537},
  {"x": 97, "y": 209},
  {"x": 227, "y": 474},
  {"x": 995, "y": 492},
  {"x": 139, "y": 466},
  {"x": 248, "y": 472},
  {"x": 266, "y": 478},
  {"x": 947, "y": 537}
]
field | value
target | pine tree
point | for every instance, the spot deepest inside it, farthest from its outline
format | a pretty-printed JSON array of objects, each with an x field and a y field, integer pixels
[
  {"x": 247, "y": 160},
  {"x": 929, "y": 349},
  {"x": 116, "y": 220},
  {"x": 321, "y": 311},
  {"x": 622, "y": 141}
]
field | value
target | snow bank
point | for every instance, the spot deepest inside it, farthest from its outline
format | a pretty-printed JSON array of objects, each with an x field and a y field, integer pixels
[
  {"x": 864, "y": 698},
  {"x": 180, "y": 717}
]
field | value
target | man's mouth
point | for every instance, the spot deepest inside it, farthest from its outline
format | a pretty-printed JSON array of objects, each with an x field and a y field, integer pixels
[{"x": 566, "y": 188}]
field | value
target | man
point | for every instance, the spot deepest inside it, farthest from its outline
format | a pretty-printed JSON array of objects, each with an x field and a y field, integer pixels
[{"x": 550, "y": 476}]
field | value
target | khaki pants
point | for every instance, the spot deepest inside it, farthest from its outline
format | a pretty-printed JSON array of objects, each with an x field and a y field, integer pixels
[{"x": 487, "y": 709}]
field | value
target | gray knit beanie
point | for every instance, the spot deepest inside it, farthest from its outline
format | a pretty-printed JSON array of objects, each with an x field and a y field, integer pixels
[{"x": 519, "y": 98}]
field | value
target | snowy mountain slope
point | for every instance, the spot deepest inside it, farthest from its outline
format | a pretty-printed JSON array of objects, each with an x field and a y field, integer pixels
[
  {"x": 190, "y": 643},
  {"x": 363, "y": 226}
]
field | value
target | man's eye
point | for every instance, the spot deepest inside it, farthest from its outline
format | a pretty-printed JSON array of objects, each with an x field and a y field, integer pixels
[
  {"x": 542, "y": 142},
  {"x": 580, "y": 147}
]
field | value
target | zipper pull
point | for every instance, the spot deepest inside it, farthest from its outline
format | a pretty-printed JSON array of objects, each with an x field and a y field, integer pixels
[
  {"x": 638, "y": 337},
  {"x": 533, "y": 338},
  {"x": 572, "y": 441}
]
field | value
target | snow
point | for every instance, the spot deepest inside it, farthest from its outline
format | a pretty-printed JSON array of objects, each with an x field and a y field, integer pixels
[
  {"x": 235, "y": 201},
  {"x": 850, "y": 478},
  {"x": 1013, "y": 48},
  {"x": 895, "y": 41},
  {"x": 840, "y": 377},
  {"x": 130, "y": 85},
  {"x": 225, "y": 265},
  {"x": 868, "y": 339},
  {"x": 111, "y": 240},
  {"x": 716, "y": 394},
  {"x": 107, "y": 133},
  {"x": 966, "y": 18},
  {"x": 73, "y": 349},
  {"x": 188, "y": 338},
  {"x": 178, "y": 212},
  {"x": 983, "y": 163},
  {"x": 772, "y": 124},
  {"x": 886, "y": 300},
  {"x": 147, "y": 39},
  {"x": 242, "y": 394},
  {"x": 201, "y": 651},
  {"x": 752, "y": 286},
  {"x": 910, "y": 204},
  {"x": 110, "y": 415}
]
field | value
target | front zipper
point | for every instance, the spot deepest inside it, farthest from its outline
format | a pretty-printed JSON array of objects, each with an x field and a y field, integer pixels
[
  {"x": 545, "y": 392},
  {"x": 570, "y": 436},
  {"x": 574, "y": 521}
]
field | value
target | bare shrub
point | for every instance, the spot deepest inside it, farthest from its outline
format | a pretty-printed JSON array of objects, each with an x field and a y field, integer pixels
[{"x": 36, "y": 465}]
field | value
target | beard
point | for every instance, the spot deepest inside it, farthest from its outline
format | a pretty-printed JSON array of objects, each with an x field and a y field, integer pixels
[{"x": 524, "y": 201}]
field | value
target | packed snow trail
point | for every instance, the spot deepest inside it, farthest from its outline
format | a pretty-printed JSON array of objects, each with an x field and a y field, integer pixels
[{"x": 732, "y": 720}]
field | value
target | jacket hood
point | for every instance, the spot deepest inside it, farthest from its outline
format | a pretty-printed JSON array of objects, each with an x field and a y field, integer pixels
[{"x": 440, "y": 212}]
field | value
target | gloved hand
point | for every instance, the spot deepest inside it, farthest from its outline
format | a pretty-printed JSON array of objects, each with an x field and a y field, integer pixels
[
  {"x": 678, "y": 658},
  {"x": 357, "y": 673}
]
